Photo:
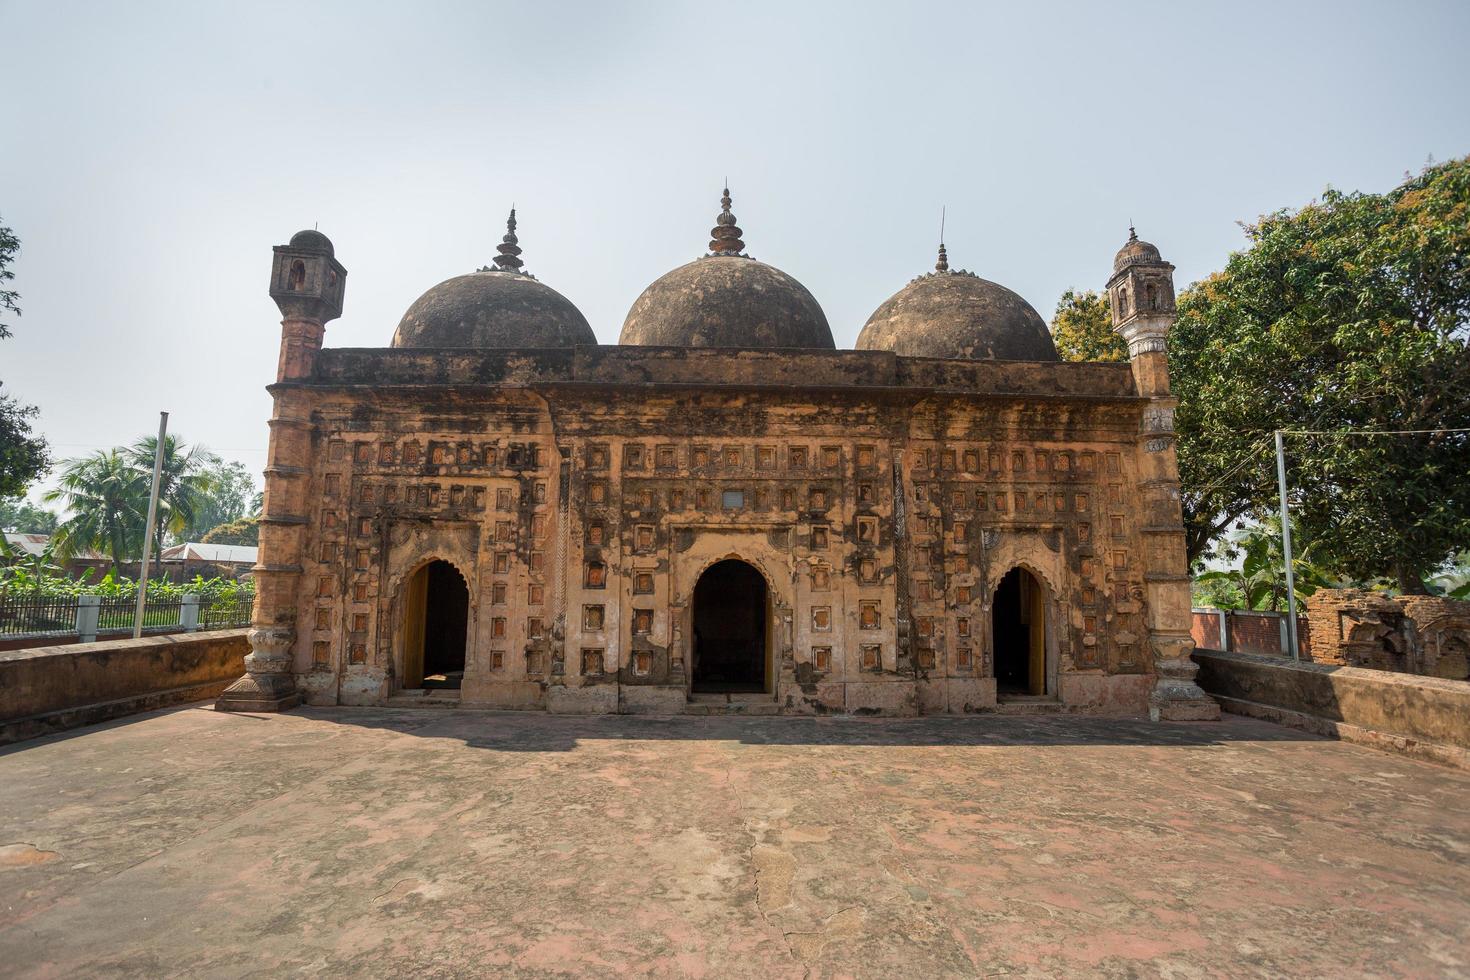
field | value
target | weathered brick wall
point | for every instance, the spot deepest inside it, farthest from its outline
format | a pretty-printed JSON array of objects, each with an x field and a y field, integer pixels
[
  {"x": 1205, "y": 628},
  {"x": 1441, "y": 645},
  {"x": 1251, "y": 633},
  {"x": 1426, "y": 635},
  {"x": 580, "y": 518}
]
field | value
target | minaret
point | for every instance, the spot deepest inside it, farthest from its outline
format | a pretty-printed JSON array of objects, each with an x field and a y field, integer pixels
[
  {"x": 1141, "y": 292},
  {"x": 307, "y": 284}
]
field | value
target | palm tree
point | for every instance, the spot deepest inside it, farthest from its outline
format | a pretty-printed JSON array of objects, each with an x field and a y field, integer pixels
[
  {"x": 184, "y": 484},
  {"x": 108, "y": 502}
]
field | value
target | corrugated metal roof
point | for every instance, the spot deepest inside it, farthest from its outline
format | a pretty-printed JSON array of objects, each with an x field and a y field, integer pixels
[
  {"x": 221, "y": 554},
  {"x": 33, "y": 545}
]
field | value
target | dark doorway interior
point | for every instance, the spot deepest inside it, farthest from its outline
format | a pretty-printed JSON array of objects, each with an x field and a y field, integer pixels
[
  {"x": 446, "y": 620},
  {"x": 1019, "y": 655},
  {"x": 730, "y": 630}
]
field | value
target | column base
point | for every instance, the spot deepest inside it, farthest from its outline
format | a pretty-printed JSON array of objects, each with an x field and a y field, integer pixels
[
  {"x": 1203, "y": 708},
  {"x": 1176, "y": 697},
  {"x": 260, "y": 692}
]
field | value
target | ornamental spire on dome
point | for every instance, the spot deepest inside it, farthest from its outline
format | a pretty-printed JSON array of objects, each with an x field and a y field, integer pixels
[
  {"x": 509, "y": 259},
  {"x": 943, "y": 264},
  {"x": 725, "y": 236}
]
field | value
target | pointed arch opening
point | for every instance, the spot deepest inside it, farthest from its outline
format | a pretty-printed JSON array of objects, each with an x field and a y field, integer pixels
[
  {"x": 1018, "y": 635},
  {"x": 730, "y": 653},
  {"x": 436, "y": 613}
]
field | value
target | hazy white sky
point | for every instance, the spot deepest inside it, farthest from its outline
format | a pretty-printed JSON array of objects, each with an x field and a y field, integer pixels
[{"x": 151, "y": 154}]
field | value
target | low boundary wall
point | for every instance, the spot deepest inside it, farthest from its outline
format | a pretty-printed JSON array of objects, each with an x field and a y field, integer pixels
[
  {"x": 51, "y": 689},
  {"x": 1425, "y": 717},
  {"x": 1244, "y": 631}
]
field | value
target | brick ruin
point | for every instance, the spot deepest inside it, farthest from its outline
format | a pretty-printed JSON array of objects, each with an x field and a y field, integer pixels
[
  {"x": 1426, "y": 635},
  {"x": 501, "y": 511}
]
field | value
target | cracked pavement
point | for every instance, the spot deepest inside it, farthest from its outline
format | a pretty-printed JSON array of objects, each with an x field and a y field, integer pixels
[{"x": 342, "y": 841}]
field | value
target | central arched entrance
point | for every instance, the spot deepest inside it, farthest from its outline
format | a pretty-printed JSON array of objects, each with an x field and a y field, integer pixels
[
  {"x": 729, "y": 650},
  {"x": 1018, "y": 635},
  {"x": 436, "y": 613}
]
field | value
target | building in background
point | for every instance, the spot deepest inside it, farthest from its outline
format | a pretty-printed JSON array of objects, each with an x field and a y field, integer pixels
[
  {"x": 24, "y": 546},
  {"x": 182, "y": 562}
]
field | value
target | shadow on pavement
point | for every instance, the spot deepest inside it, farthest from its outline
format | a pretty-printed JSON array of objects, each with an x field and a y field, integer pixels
[{"x": 519, "y": 731}]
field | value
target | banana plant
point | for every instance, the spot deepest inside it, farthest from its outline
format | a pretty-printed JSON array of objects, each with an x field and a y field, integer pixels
[{"x": 1261, "y": 577}]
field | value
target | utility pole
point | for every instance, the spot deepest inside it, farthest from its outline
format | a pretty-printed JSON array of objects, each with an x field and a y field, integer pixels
[
  {"x": 152, "y": 516},
  {"x": 1291, "y": 637}
]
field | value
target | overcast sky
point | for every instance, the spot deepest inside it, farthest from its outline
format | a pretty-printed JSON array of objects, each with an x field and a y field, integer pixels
[{"x": 151, "y": 154}]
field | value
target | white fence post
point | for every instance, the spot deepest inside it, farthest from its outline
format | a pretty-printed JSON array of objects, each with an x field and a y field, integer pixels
[
  {"x": 89, "y": 607},
  {"x": 189, "y": 613}
]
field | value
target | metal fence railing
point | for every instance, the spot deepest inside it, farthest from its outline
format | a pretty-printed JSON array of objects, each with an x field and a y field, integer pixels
[
  {"x": 39, "y": 615},
  {"x": 85, "y": 617},
  {"x": 225, "y": 614}
]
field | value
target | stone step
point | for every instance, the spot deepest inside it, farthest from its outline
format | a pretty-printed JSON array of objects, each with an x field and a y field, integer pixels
[
  {"x": 732, "y": 708},
  {"x": 1029, "y": 707},
  {"x": 424, "y": 699}
]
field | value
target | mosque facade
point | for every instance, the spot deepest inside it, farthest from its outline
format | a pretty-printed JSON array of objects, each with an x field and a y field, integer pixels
[{"x": 722, "y": 513}]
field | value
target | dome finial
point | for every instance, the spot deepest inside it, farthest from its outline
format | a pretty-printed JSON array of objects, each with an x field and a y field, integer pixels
[
  {"x": 509, "y": 259},
  {"x": 1132, "y": 235},
  {"x": 943, "y": 264},
  {"x": 725, "y": 236}
]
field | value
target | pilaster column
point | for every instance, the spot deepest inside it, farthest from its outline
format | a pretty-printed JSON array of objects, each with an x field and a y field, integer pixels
[
  {"x": 269, "y": 683},
  {"x": 1175, "y": 697}
]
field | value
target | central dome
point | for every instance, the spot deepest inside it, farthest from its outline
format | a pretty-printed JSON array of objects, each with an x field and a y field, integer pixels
[
  {"x": 958, "y": 316},
  {"x": 727, "y": 299},
  {"x": 494, "y": 308}
]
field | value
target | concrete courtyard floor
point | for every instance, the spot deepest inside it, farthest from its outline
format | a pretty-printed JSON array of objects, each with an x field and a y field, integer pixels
[{"x": 396, "y": 843}]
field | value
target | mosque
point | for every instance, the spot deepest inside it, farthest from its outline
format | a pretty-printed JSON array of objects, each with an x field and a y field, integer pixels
[{"x": 722, "y": 513}]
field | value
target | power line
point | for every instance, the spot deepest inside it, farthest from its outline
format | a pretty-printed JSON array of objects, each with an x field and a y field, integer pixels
[
  {"x": 1236, "y": 469},
  {"x": 213, "y": 449},
  {"x": 1367, "y": 432},
  {"x": 1323, "y": 432}
]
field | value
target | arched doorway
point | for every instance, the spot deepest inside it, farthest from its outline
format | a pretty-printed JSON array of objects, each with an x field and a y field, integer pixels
[
  {"x": 729, "y": 653},
  {"x": 1018, "y": 635},
  {"x": 436, "y": 613}
]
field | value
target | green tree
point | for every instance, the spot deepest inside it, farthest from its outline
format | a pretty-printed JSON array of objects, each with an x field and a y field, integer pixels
[
  {"x": 245, "y": 531},
  {"x": 21, "y": 515},
  {"x": 231, "y": 497},
  {"x": 1082, "y": 328},
  {"x": 108, "y": 501},
  {"x": 9, "y": 298},
  {"x": 1350, "y": 313},
  {"x": 184, "y": 484},
  {"x": 1453, "y": 579},
  {"x": 24, "y": 455}
]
